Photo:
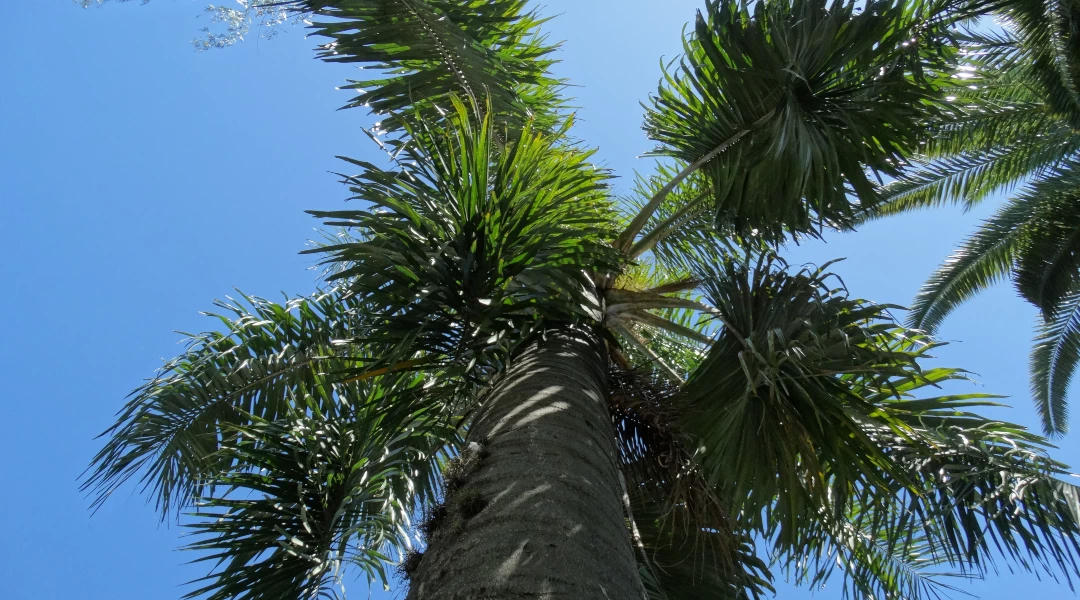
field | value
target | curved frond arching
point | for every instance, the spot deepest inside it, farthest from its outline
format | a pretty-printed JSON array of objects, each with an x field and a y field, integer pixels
[
  {"x": 428, "y": 50},
  {"x": 310, "y": 496},
  {"x": 984, "y": 259},
  {"x": 1048, "y": 264},
  {"x": 171, "y": 428},
  {"x": 971, "y": 176},
  {"x": 767, "y": 406},
  {"x": 1053, "y": 361}
]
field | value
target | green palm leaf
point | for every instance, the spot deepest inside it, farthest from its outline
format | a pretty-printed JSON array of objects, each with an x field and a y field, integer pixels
[
  {"x": 171, "y": 428},
  {"x": 475, "y": 242},
  {"x": 311, "y": 495},
  {"x": 1047, "y": 264},
  {"x": 984, "y": 259},
  {"x": 820, "y": 92},
  {"x": 1053, "y": 361},
  {"x": 427, "y": 50}
]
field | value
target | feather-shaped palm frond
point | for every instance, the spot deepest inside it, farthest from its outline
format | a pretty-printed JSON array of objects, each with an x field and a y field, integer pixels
[
  {"x": 426, "y": 50},
  {"x": 1000, "y": 134},
  {"x": 171, "y": 428},
  {"x": 1014, "y": 125},
  {"x": 980, "y": 488},
  {"x": 913, "y": 491},
  {"x": 255, "y": 427},
  {"x": 311, "y": 495},
  {"x": 1034, "y": 240},
  {"x": 1053, "y": 361}
]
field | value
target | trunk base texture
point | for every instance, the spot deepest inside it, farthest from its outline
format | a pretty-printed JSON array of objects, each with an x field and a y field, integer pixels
[{"x": 534, "y": 505}]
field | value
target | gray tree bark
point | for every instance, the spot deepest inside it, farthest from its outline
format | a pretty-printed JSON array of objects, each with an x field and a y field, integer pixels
[{"x": 536, "y": 505}]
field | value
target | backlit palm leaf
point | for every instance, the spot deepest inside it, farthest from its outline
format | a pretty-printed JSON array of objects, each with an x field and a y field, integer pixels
[
  {"x": 171, "y": 428},
  {"x": 427, "y": 50},
  {"x": 475, "y": 242},
  {"x": 819, "y": 92},
  {"x": 310, "y": 496}
]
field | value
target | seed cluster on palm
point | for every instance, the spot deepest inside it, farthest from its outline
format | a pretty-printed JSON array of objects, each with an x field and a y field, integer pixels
[{"x": 515, "y": 381}]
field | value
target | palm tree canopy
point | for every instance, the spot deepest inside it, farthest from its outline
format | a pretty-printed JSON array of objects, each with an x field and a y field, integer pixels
[{"x": 749, "y": 399}]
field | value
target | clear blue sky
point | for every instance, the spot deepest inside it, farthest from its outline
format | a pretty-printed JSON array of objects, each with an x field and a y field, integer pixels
[{"x": 140, "y": 180}]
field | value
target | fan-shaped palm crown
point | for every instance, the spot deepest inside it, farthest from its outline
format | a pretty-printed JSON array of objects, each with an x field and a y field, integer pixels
[{"x": 748, "y": 400}]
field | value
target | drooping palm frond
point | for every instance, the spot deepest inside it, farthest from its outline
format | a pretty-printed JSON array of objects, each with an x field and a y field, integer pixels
[
  {"x": 689, "y": 546},
  {"x": 1000, "y": 134},
  {"x": 1046, "y": 31},
  {"x": 1053, "y": 361},
  {"x": 1034, "y": 239},
  {"x": 911, "y": 492},
  {"x": 805, "y": 421},
  {"x": 684, "y": 562},
  {"x": 475, "y": 242},
  {"x": 268, "y": 393},
  {"x": 821, "y": 92},
  {"x": 980, "y": 488},
  {"x": 1015, "y": 125},
  {"x": 171, "y": 427},
  {"x": 984, "y": 259},
  {"x": 427, "y": 50},
  {"x": 1048, "y": 261},
  {"x": 311, "y": 495},
  {"x": 767, "y": 403},
  {"x": 891, "y": 565},
  {"x": 971, "y": 176}
]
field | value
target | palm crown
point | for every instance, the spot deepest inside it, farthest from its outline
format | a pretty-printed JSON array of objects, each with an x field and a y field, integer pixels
[{"x": 752, "y": 404}]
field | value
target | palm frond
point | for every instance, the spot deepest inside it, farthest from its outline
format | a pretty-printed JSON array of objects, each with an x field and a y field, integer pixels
[
  {"x": 311, "y": 495},
  {"x": 1049, "y": 46},
  {"x": 820, "y": 92},
  {"x": 1048, "y": 262},
  {"x": 979, "y": 488},
  {"x": 767, "y": 405},
  {"x": 1053, "y": 361},
  {"x": 688, "y": 544},
  {"x": 968, "y": 177},
  {"x": 984, "y": 258},
  {"x": 427, "y": 50},
  {"x": 474, "y": 242},
  {"x": 171, "y": 428}
]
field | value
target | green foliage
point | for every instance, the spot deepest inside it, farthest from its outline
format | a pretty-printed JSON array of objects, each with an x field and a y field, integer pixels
[
  {"x": 476, "y": 243},
  {"x": 749, "y": 401},
  {"x": 428, "y": 50},
  {"x": 312, "y": 494},
  {"x": 292, "y": 470},
  {"x": 1015, "y": 125},
  {"x": 822, "y": 93}
]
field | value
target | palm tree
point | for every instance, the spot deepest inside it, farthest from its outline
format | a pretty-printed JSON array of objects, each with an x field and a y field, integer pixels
[
  {"x": 566, "y": 395},
  {"x": 1013, "y": 130}
]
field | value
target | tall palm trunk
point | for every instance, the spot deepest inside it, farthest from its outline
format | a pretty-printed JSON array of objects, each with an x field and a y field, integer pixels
[{"x": 535, "y": 505}]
